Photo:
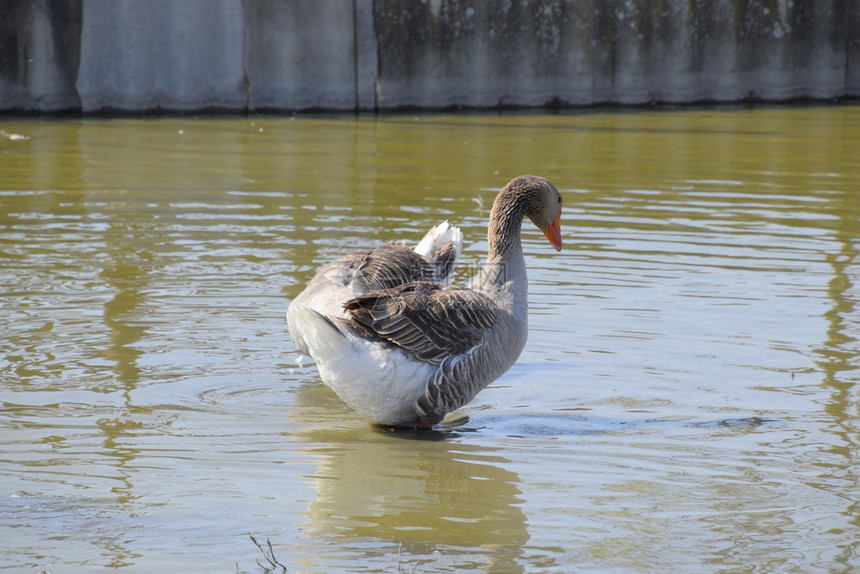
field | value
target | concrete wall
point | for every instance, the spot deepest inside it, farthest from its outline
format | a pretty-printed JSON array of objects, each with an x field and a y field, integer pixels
[{"x": 234, "y": 55}]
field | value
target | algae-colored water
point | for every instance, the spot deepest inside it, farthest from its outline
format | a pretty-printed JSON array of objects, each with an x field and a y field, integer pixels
[{"x": 687, "y": 401}]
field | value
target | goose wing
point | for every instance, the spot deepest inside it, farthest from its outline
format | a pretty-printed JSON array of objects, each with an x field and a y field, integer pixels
[
  {"x": 430, "y": 320},
  {"x": 383, "y": 268}
]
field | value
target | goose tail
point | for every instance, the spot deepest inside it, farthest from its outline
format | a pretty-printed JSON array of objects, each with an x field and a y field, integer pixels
[{"x": 441, "y": 247}]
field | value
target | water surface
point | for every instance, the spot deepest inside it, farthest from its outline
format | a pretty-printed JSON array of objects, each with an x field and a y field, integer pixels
[{"x": 687, "y": 401}]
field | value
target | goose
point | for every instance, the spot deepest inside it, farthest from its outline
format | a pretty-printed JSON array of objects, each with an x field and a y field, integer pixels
[{"x": 404, "y": 348}]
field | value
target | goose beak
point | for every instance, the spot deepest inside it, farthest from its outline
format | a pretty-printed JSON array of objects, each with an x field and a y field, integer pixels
[{"x": 553, "y": 233}]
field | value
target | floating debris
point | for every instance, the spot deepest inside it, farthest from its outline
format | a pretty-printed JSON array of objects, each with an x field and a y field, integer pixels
[
  {"x": 13, "y": 137},
  {"x": 272, "y": 563}
]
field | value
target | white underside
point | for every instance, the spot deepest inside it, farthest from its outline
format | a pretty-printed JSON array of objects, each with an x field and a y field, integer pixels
[{"x": 380, "y": 383}]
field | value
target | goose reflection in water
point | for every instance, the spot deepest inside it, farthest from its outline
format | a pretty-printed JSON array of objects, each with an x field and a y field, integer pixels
[{"x": 430, "y": 500}]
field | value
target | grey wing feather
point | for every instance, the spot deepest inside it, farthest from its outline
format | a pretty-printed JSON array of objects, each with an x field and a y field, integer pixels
[
  {"x": 432, "y": 321},
  {"x": 385, "y": 267}
]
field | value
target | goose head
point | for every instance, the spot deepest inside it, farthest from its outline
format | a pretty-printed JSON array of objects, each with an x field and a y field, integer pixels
[
  {"x": 526, "y": 196},
  {"x": 545, "y": 211}
]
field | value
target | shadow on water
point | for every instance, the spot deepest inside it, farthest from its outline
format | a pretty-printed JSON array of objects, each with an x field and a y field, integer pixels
[
  {"x": 560, "y": 425},
  {"x": 521, "y": 426}
]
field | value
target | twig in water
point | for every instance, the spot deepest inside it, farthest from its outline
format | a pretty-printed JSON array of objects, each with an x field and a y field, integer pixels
[
  {"x": 399, "y": 569},
  {"x": 268, "y": 554}
]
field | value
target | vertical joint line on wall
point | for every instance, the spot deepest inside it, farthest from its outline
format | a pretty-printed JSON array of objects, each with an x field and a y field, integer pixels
[{"x": 355, "y": 55}]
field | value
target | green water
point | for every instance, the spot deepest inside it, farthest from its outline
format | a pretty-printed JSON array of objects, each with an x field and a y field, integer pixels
[{"x": 687, "y": 401}]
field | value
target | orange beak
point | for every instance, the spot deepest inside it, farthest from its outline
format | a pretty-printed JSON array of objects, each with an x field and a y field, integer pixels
[{"x": 553, "y": 233}]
